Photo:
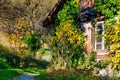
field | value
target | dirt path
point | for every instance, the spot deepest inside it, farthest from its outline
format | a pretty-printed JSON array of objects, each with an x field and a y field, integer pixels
[{"x": 28, "y": 76}]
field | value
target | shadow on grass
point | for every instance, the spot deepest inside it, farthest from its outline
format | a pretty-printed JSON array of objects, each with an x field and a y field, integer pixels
[
  {"x": 10, "y": 59},
  {"x": 7, "y": 74}
]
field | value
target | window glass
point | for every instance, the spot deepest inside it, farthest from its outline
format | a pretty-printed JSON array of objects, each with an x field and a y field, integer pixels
[
  {"x": 98, "y": 46},
  {"x": 99, "y": 42},
  {"x": 99, "y": 38}
]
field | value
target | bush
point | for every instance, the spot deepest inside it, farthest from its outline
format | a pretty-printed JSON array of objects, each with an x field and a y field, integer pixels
[
  {"x": 3, "y": 63},
  {"x": 33, "y": 42},
  {"x": 87, "y": 62},
  {"x": 66, "y": 45},
  {"x": 102, "y": 64}
]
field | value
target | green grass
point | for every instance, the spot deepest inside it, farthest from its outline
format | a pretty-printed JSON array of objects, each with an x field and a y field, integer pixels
[
  {"x": 33, "y": 70},
  {"x": 9, "y": 74},
  {"x": 45, "y": 52}
]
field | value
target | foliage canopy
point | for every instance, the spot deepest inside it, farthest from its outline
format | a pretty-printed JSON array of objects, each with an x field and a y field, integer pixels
[
  {"x": 108, "y": 8},
  {"x": 112, "y": 37}
]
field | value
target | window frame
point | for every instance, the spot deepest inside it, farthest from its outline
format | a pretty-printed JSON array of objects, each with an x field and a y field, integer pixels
[{"x": 103, "y": 42}]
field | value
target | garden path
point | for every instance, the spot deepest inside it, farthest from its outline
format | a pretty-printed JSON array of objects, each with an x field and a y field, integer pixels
[{"x": 28, "y": 76}]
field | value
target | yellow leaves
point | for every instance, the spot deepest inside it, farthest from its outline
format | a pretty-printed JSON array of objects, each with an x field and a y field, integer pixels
[
  {"x": 21, "y": 28},
  {"x": 119, "y": 15},
  {"x": 116, "y": 60},
  {"x": 71, "y": 40},
  {"x": 66, "y": 32},
  {"x": 112, "y": 37}
]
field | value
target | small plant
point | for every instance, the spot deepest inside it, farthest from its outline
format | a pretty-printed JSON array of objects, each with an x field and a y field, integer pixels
[
  {"x": 3, "y": 63},
  {"x": 87, "y": 62},
  {"x": 102, "y": 64},
  {"x": 33, "y": 42}
]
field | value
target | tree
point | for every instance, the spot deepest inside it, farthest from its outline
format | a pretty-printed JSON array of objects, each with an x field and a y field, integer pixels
[{"x": 21, "y": 17}]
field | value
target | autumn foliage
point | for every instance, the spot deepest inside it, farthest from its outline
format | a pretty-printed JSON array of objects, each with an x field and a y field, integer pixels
[{"x": 66, "y": 45}]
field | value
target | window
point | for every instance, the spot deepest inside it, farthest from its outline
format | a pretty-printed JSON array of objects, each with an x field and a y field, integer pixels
[{"x": 99, "y": 42}]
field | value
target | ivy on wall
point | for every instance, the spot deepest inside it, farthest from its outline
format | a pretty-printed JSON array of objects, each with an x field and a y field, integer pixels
[
  {"x": 108, "y": 8},
  {"x": 112, "y": 38}
]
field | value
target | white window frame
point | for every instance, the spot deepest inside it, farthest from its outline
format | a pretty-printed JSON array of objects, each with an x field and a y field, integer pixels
[{"x": 103, "y": 42}]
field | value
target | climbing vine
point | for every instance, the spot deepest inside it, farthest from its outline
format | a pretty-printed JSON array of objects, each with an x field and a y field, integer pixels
[
  {"x": 108, "y": 8},
  {"x": 66, "y": 45},
  {"x": 112, "y": 38}
]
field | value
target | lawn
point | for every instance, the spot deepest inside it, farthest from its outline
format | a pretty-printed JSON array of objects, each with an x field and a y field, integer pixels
[
  {"x": 33, "y": 70},
  {"x": 9, "y": 74}
]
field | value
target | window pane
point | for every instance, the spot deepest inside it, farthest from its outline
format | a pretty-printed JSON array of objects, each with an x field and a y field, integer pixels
[
  {"x": 99, "y": 31},
  {"x": 98, "y": 46},
  {"x": 99, "y": 38},
  {"x": 99, "y": 28}
]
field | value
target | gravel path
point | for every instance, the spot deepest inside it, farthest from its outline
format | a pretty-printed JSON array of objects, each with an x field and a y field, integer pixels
[{"x": 28, "y": 76}]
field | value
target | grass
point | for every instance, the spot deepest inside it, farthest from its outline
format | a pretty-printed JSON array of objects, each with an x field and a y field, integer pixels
[
  {"x": 33, "y": 70},
  {"x": 9, "y": 74},
  {"x": 45, "y": 52}
]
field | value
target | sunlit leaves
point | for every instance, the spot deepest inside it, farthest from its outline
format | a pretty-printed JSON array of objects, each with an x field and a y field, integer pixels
[
  {"x": 69, "y": 33},
  {"x": 109, "y": 8},
  {"x": 116, "y": 60},
  {"x": 112, "y": 38},
  {"x": 68, "y": 12},
  {"x": 67, "y": 44},
  {"x": 20, "y": 29}
]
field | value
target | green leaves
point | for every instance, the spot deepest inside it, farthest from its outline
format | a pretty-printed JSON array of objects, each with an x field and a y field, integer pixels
[
  {"x": 67, "y": 45},
  {"x": 112, "y": 38},
  {"x": 69, "y": 11},
  {"x": 33, "y": 42},
  {"x": 109, "y": 8}
]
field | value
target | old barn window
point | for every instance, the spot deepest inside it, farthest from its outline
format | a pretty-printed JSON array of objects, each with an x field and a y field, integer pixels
[{"x": 99, "y": 42}]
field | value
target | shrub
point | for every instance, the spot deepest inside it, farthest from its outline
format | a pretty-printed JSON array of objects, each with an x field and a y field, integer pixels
[
  {"x": 33, "y": 42},
  {"x": 102, "y": 64},
  {"x": 3, "y": 63},
  {"x": 66, "y": 45},
  {"x": 87, "y": 62}
]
